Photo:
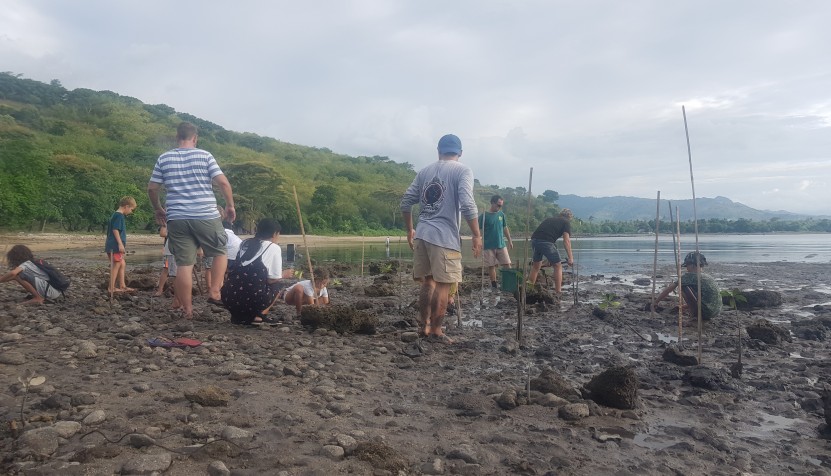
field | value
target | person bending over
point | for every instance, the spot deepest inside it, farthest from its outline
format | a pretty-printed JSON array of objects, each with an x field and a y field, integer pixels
[
  {"x": 28, "y": 275},
  {"x": 710, "y": 296},
  {"x": 302, "y": 293}
]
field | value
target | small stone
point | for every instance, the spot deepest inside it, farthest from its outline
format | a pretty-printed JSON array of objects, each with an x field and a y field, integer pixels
[
  {"x": 333, "y": 452},
  {"x": 67, "y": 428},
  {"x": 574, "y": 411},
  {"x": 507, "y": 400},
  {"x": 12, "y": 358},
  {"x": 434, "y": 467},
  {"x": 138, "y": 440},
  {"x": 40, "y": 441},
  {"x": 409, "y": 337},
  {"x": 147, "y": 464},
  {"x": 346, "y": 442},
  {"x": 218, "y": 468},
  {"x": 209, "y": 396},
  {"x": 95, "y": 417},
  {"x": 232, "y": 432}
]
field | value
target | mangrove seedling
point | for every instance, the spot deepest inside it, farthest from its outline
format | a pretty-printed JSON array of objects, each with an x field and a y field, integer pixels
[
  {"x": 734, "y": 296},
  {"x": 609, "y": 302},
  {"x": 28, "y": 380}
]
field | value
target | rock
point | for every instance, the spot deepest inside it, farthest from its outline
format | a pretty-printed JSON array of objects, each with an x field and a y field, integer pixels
[
  {"x": 40, "y": 441},
  {"x": 616, "y": 387},
  {"x": 509, "y": 346},
  {"x": 218, "y": 468},
  {"x": 57, "y": 402},
  {"x": 642, "y": 282},
  {"x": 434, "y": 467},
  {"x": 232, "y": 432},
  {"x": 380, "y": 290},
  {"x": 507, "y": 400},
  {"x": 12, "y": 358},
  {"x": 87, "y": 350},
  {"x": 470, "y": 404},
  {"x": 550, "y": 381},
  {"x": 339, "y": 318},
  {"x": 147, "y": 464},
  {"x": 574, "y": 411},
  {"x": 333, "y": 452},
  {"x": 810, "y": 330},
  {"x": 139, "y": 440},
  {"x": 95, "y": 417},
  {"x": 550, "y": 400},
  {"x": 675, "y": 356},
  {"x": 767, "y": 332},
  {"x": 9, "y": 337},
  {"x": 759, "y": 300},
  {"x": 209, "y": 396},
  {"x": 465, "y": 453},
  {"x": 83, "y": 398},
  {"x": 66, "y": 429},
  {"x": 346, "y": 442},
  {"x": 409, "y": 337},
  {"x": 826, "y": 398},
  {"x": 710, "y": 379},
  {"x": 381, "y": 456}
]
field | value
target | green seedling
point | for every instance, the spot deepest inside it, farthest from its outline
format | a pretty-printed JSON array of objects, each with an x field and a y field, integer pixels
[
  {"x": 28, "y": 380},
  {"x": 298, "y": 274},
  {"x": 609, "y": 302},
  {"x": 734, "y": 296}
]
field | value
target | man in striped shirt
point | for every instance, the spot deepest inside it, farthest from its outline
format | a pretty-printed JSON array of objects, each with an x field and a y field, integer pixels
[{"x": 187, "y": 174}]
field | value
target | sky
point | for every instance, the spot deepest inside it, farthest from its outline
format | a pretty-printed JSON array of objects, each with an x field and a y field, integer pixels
[{"x": 588, "y": 94}]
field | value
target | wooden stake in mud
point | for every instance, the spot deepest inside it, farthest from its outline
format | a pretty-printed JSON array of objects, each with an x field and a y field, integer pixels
[
  {"x": 676, "y": 245},
  {"x": 363, "y": 245},
  {"x": 458, "y": 299},
  {"x": 524, "y": 267},
  {"x": 695, "y": 226},
  {"x": 305, "y": 245},
  {"x": 575, "y": 276},
  {"x": 655, "y": 259},
  {"x": 482, "y": 293}
]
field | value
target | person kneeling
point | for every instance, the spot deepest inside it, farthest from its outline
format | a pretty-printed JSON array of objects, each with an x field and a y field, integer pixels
[
  {"x": 253, "y": 281},
  {"x": 711, "y": 304},
  {"x": 28, "y": 275},
  {"x": 302, "y": 292}
]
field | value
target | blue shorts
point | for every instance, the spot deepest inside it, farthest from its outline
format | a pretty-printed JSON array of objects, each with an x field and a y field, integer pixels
[{"x": 545, "y": 249}]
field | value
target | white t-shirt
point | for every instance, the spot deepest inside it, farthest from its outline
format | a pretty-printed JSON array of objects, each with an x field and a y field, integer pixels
[
  {"x": 272, "y": 259},
  {"x": 39, "y": 279},
  {"x": 308, "y": 290},
  {"x": 232, "y": 244}
]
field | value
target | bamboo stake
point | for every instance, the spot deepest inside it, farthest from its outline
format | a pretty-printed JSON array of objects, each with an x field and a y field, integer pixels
[
  {"x": 655, "y": 259},
  {"x": 575, "y": 275},
  {"x": 458, "y": 308},
  {"x": 308, "y": 254},
  {"x": 695, "y": 227},
  {"x": 482, "y": 293},
  {"x": 525, "y": 268},
  {"x": 363, "y": 245},
  {"x": 676, "y": 248}
]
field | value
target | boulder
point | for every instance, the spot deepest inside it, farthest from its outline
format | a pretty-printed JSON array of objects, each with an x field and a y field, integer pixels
[
  {"x": 616, "y": 387},
  {"x": 675, "y": 356},
  {"x": 767, "y": 332},
  {"x": 760, "y": 299},
  {"x": 550, "y": 381}
]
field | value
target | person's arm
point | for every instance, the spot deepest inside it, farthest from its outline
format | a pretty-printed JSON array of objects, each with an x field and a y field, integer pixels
[
  {"x": 666, "y": 292},
  {"x": 508, "y": 236},
  {"x": 473, "y": 223},
  {"x": 408, "y": 225},
  {"x": 11, "y": 275},
  {"x": 153, "y": 192},
  {"x": 221, "y": 181},
  {"x": 117, "y": 236},
  {"x": 163, "y": 231},
  {"x": 567, "y": 244}
]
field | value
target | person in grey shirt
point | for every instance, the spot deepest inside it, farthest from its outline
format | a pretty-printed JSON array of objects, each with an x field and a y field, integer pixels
[{"x": 444, "y": 191}]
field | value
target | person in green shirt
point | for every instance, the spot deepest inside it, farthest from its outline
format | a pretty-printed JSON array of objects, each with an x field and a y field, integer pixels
[
  {"x": 710, "y": 296},
  {"x": 497, "y": 238}
]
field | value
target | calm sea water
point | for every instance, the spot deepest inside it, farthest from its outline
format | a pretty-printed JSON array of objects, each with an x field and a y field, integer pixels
[{"x": 594, "y": 255}]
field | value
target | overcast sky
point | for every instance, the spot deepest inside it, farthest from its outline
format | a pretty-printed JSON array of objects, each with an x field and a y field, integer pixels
[{"x": 587, "y": 93}]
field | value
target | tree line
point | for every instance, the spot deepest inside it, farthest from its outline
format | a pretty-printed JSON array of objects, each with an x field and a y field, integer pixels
[{"x": 69, "y": 155}]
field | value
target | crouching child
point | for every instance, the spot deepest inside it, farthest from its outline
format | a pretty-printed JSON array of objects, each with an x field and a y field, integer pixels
[{"x": 37, "y": 277}]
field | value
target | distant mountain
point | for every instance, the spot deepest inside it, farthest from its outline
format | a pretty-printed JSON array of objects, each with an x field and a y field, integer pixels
[{"x": 632, "y": 208}]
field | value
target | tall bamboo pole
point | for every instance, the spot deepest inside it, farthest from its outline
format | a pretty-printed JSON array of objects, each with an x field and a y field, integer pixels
[
  {"x": 695, "y": 227},
  {"x": 655, "y": 259},
  {"x": 482, "y": 293},
  {"x": 305, "y": 245},
  {"x": 524, "y": 267},
  {"x": 363, "y": 246},
  {"x": 676, "y": 248}
]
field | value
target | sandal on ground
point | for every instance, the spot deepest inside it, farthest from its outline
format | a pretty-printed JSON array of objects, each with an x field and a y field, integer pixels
[{"x": 216, "y": 302}]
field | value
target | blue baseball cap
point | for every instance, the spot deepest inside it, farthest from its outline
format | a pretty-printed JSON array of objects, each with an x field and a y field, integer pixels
[{"x": 450, "y": 144}]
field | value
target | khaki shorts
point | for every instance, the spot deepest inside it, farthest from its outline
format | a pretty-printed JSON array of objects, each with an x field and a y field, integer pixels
[
  {"x": 497, "y": 257},
  {"x": 443, "y": 264},
  {"x": 184, "y": 237}
]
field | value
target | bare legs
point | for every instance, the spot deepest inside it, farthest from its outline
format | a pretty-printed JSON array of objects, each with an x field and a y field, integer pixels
[
  {"x": 36, "y": 298},
  {"x": 432, "y": 305},
  {"x": 183, "y": 286},
  {"x": 558, "y": 277},
  {"x": 162, "y": 282},
  {"x": 217, "y": 275}
]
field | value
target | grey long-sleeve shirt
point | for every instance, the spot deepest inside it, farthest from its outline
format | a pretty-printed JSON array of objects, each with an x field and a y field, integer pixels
[{"x": 444, "y": 190}]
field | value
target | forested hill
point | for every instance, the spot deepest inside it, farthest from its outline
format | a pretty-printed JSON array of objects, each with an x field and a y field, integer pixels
[{"x": 67, "y": 156}]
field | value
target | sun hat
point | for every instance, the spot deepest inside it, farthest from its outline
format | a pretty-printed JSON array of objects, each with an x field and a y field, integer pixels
[
  {"x": 690, "y": 259},
  {"x": 450, "y": 144}
]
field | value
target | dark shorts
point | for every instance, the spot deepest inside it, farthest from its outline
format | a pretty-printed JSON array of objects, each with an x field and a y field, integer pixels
[
  {"x": 186, "y": 236},
  {"x": 545, "y": 249}
]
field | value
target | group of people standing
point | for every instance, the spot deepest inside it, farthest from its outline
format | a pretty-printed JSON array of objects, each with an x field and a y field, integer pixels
[{"x": 191, "y": 222}]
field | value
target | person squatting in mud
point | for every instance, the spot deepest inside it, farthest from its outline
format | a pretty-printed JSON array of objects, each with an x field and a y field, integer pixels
[
  {"x": 28, "y": 275},
  {"x": 302, "y": 293},
  {"x": 711, "y": 304}
]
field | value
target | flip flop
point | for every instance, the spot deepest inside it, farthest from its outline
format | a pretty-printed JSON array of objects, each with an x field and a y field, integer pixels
[
  {"x": 186, "y": 342},
  {"x": 164, "y": 342},
  {"x": 216, "y": 302}
]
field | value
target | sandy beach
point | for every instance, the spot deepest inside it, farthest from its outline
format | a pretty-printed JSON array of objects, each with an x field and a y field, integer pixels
[{"x": 294, "y": 400}]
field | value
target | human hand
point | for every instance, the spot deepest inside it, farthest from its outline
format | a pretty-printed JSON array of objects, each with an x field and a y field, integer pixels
[
  {"x": 510, "y": 245},
  {"x": 230, "y": 214},
  {"x": 121, "y": 248},
  {"x": 570, "y": 262},
  {"x": 477, "y": 246},
  {"x": 161, "y": 216},
  {"x": 411, "y": 238}
]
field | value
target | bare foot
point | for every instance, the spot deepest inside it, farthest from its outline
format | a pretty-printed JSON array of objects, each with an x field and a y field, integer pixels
[
  {"x": 441, "y": 338},
  {"x": 33, "y": 301},
  {"x": 158, "y": 294},
  {"x": 125, "y": 289}
]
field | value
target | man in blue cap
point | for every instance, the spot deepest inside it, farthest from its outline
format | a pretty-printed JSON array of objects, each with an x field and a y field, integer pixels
[{"x": 444, "y": 191}]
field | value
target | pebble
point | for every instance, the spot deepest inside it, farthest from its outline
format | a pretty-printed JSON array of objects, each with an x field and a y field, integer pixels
[
  {"x": 333, "y": 452},
  {"x": 346, "y": 442},
  {"x": 95, "y": 417},
  {"x": 218, "y": 468},
  {"x": 433, "y": 467},
  {"x": 574, "y": 411},
  {"x": 40, "y": 441},
  {"x": 66, "y": 429},
  {"x": 147, "y": 464},
  {"x": 232, "y": 432},
  {"x": 12, "y": 358}
]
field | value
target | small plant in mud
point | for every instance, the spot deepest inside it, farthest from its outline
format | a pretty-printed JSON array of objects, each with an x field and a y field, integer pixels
[
  {"x": 387, "y": 268},
  {"x": 609, "y": 302},
  {"x": 734, "y": 296},
  {"x": 336, "y": 282},
  {"x": 28, "y": 380},
  {"x": 298, "y": 274}
]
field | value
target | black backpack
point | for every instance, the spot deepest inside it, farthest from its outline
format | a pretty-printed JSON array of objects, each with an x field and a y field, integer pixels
[{"x": 56, "y": 279}]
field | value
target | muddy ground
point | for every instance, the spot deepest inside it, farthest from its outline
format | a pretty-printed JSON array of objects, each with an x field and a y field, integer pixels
[{"x": 291, "y": 400}]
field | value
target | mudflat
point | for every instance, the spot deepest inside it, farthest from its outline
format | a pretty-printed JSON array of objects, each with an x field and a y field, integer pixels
[{"x": 294, "y": 400}]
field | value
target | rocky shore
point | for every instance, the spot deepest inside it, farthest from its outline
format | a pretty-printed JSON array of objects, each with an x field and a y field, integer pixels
[{"x": 584, "y": 391}]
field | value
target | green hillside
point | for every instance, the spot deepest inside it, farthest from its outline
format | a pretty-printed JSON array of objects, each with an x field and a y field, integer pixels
[{"x": 68, "y": 156}]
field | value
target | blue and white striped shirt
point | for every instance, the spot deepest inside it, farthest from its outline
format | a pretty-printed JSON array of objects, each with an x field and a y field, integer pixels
[{"x": 186, "y": 175}]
